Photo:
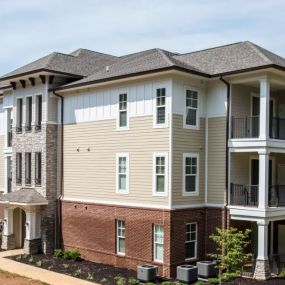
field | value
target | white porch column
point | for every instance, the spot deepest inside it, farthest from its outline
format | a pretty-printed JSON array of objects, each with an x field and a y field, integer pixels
[
  {"x": 8, "y": 222},
  {"x": 264, "y": 109},
  {"x": 31, "y": 225},
  {"x": 262, "y": 270},
  {"x": 263, "y": 179}
]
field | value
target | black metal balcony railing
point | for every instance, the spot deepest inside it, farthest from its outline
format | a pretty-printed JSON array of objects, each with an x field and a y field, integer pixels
[
  {"x": 9, "y": 136},
  {"x": 244, "y": 195},
  {"x": 9, "y": 184},
  {"x": 277, "y": 128},
  {"x": 276, "y": 196},
  {"x": 246, "y": 127}
]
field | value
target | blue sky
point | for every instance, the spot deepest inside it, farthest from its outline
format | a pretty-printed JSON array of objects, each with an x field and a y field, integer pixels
[{"x": 30, "y": 29}]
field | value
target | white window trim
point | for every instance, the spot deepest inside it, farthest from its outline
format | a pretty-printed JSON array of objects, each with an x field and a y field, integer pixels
[
  {"x": 117, "y": 237},
  {"x": 196, "y": 193},
  {"x": 185, "y": 126},
  {"x": 118, "y": 191},
  {"x": 155, "y": 125},
  {"x": 127, "y": 127},
  {"x": 155, "y": 155},
  {"x": 196, "y": 242},
  {"x": 154, "y": 243}
]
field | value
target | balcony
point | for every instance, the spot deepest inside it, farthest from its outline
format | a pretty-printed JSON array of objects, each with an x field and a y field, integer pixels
[{"x": 247, "y": 195}]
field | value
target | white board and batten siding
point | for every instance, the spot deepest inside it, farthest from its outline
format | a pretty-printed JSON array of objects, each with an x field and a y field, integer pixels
[{"x": 102, "y": 104}]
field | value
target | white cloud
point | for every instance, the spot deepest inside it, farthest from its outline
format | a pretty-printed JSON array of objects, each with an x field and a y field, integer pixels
[{"x": 32, "y": 28}]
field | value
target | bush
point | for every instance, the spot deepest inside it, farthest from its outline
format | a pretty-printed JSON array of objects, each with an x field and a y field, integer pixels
[
  {"x": 198, "y": 283},
  {"x": 77, "y": 272},
  {"x": 31, "y": 259},
  {"x": 39, "y": 263},
  {"x": 66, "y": 266},
  {"x": 227, "y": 277},
  {"x": 73, "y": 254},
  {"x": 213, "y": 281},
  {"x": 133, "y": 281},
  {"x": 167, "y": 283},
  {"x": 282, "y": 273},
  {"x": 58, "y": 253},
  {"x": 89, "y": 276},
  {"x": 149, "y": 283},
  {"x": 120, "y": 280},
  {"x": 103, "y": 280}
]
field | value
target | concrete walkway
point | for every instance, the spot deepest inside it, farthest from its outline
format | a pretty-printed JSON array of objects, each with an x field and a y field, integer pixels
[{"x": 36, "y": 273}]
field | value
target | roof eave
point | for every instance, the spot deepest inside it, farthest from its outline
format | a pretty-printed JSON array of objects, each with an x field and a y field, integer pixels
[
  {"x": 38, "y": 71},
  {"x": 65, "y": 88}
]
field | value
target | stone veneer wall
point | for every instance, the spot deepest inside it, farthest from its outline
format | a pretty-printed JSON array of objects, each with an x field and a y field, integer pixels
[{"x": 44, "y": 141}]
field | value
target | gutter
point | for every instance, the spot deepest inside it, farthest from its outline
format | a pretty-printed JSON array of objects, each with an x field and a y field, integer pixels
[
  {"x": 228, "y": 86},
  {"x": 58, "y": 229}
]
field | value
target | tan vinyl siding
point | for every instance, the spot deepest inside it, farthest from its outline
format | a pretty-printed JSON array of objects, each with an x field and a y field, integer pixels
[
  {"x": 185, "y": 141},
  {"x": 2, "y": 180},
  {"x": 92, "y": 174},
  {"x": 216, "y": 159}
]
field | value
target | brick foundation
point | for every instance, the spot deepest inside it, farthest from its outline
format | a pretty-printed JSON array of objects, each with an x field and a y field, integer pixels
[{"x": 92, "y": 229}]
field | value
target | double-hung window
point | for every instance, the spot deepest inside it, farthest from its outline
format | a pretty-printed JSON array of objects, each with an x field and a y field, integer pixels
[
  {"x": 190, "y": 173},
  {"x": 191, "y": 117},
  {"x": 122, "y": 173},
  {"x": 28, "y": 168},
  {"x": 29, "y": 110},
  {"x": 158, "y": 242},
  {"x": 123, "y": 110},
  {"x": 160, "y": 174},
  {"x": 19, "y": 113},
  {"x": 121, "y": 248},
  {"x": 38, "y": 168},
  {"x": 160, "y": 106},
  {"x": 39, "y": 112},
  {"x": 18, "y": 168},
  {"x": 191, "y": 241}
]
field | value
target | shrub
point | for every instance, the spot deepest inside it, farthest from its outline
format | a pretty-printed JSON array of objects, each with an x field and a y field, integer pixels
[
  {"x": 66, "y": 266},
  {"x": 89, "y": 276},
  {"x": 120, "y": 280},
  {"x": 167, "y": 283},
  {"x": 77, "y": 272},
  {"x": 73, "y": 254},
  {"x": 31, "y": 259},
  {"x": 282, "y": 273},
  {"x": 58, "y": 253},
  {"x": 213, "y": 281},
  {"x": 133, "y": 281},
  {"x": 227, "y": 277},
  {"x": 19, "y": 257},
  {"x": 103, "y": 280},
  {"x": 50, "y": 267},
  {"x": 39, "y": 263},
  {"x": 149, "y": 283}
]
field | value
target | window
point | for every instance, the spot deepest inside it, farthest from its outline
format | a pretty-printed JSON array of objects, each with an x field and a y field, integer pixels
[
  {"x": 29, "y": 109},
  {"x": 121, "y": 237},
  {"x": 191, "y": 241},
  {"x": 191, "y": 118},
  {"x": 18, "y": 168},
  {"x": 19, "y": 115},
  {"x": 122, "y": 173},
  {"x": 9, "y": 127},
  {"x": 9, "y": 174},
  {"x": 38, "y": 112},
  {"x": 123, "y": 113},
  {"x": 191, "y": 170},
  {"x": 28, "y": 162},
  {"x": 160, "y": 106},
  {"x": 158, "y": 241},
  {"x": 160, "y": 174},
  {"x": 38, "y": 168}
]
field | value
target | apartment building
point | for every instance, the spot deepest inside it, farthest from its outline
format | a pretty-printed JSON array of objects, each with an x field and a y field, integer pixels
[{"x": 137, "y": 159}]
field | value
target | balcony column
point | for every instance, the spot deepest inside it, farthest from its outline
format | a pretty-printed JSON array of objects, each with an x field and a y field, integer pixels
[
  {"x": 264, "y": 109},
  {"x": 263, "y": 179},
  {"x": 262, "y": 269}
]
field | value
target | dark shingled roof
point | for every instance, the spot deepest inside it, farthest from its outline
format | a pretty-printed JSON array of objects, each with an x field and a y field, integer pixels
[
  {"x": 23, "y": 196},
  {"x": 81, "y": 62},
  {"x": 149, "y": 60},
  {"x": 231, "y": 58}
]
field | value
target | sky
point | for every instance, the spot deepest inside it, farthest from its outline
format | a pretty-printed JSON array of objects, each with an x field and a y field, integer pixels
[{"x": 30, "y": 29}]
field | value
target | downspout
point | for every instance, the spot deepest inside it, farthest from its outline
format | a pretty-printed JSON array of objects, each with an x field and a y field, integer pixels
[
  {"x": 225, "y": 220},
  {"x": 59, "y": 194}
]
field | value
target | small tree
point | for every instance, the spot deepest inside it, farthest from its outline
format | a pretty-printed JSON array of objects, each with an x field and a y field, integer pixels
[{"x": 231, "y": 244}]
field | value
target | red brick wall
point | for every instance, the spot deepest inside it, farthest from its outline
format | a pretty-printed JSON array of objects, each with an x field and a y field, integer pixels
[{"x": 92, "y": 229}]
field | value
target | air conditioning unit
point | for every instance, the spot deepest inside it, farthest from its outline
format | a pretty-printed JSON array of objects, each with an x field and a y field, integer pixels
[
  {"x": 146, "y": 272},
  {"x": 187, "y": 273},
  {"x": 207, "y": 269}
]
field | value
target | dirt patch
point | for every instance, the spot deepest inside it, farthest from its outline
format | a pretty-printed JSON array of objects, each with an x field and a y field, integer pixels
[{"x": 11, "y": 279}]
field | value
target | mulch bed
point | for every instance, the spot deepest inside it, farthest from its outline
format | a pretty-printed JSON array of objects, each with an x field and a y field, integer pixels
[{"x": 105, "y": 274}]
